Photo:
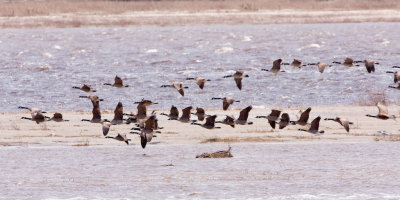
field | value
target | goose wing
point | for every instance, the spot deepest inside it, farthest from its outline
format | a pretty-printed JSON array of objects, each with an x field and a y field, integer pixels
[
  {"x": 383, "y": 111},
  {"x": 200, "y": 82},
  {"x": 119, "y": 112},
  {"x": 315, "y": 124},
  {"x": 244, "y": 114},
  {"x": 284, "y": 121},
  {"x": 305, "y": 115},
  {"x": 118, "y": 80},
  {"x": 174, "y": 112},
  {"x": 321, "y": 66}
]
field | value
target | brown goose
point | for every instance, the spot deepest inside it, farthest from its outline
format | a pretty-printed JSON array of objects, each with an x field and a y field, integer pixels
[
  {"x": 396, "y": 76},
  {"x": 178, "y": 86},
  {"x": 297, "y": 63},
  {"x": 383, "y": 112},
  {"x": 85, "y": 88},
  {"x": 200, "y": 81},
  {"x": 321, "y": 66},
  {"x": 243, "y": 116},
  {"x": 272, "y": 117},
  {"x": 314, "y": 127},
  {"x": 303, "y": 118},
  {"x": 118, "y": 114},
  {"x": 229, "y": 120},
  {"x": 58, "y": 117},
  {"x": 276, "y": 67},
  {"x": 210, "y": 122},
  {"x": 226, "y": 102},
  {"x": 344, "y": 122},
  {"x": 284, "y": 121},
  {"x": 186, "y": 114},
  {"x": 93, "y": 98},
  {"x": 200, "y": 113},
  {"x": 142, "y": 108},
  {"x": 96, "y": 114},
  {"x": 121, "y": 138},
  {"x": 173, "y": 113},
  {"x": 36, "y": 114},
  {"x": 117, "y": 83},
  {"x": 348, "y": 62},
  {"x": 238, "y": 76},
  {"x": 146, "y": 133},
  {"x": 369, "y": 64}
]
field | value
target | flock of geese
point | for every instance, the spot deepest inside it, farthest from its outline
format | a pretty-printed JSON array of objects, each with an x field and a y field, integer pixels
[{"x": 147, "y": 125}]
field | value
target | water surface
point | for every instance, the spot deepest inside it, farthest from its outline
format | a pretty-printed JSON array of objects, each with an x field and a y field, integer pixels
[{"x": 40, "y": 66}]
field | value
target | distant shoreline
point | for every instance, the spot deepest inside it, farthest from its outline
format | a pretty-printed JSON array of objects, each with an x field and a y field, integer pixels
[{"x": 227, "y": 17}]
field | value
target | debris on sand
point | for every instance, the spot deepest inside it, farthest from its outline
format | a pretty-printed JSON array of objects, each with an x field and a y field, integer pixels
[{"x": 218, "y": 154}]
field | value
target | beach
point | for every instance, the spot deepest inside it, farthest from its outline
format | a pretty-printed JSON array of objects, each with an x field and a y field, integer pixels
[{"x": 18, "y": 132}]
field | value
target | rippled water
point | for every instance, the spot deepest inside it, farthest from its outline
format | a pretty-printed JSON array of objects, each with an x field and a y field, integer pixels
[
  {"x": 40, "y": 66},
  {"x": 268, "y": 171}
]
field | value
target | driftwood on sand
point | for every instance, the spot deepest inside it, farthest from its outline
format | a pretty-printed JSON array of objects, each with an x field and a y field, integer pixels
[{"x": 218, "y": 154}]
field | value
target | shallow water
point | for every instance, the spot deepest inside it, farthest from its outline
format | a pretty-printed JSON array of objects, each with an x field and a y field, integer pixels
[
  {"x": 40, "y": 66},
  {"x": 267, "y": 171}
]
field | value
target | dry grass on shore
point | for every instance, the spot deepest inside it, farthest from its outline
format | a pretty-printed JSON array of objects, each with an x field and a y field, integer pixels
[{"x": 13, "y": 8}]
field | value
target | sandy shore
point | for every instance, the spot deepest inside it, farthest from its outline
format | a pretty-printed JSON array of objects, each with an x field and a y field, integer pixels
[
  {"x": 15, "y": 131},
  {"x": 168, "y": 18}
]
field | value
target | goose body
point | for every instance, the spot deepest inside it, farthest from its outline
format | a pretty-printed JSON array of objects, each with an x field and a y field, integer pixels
[
  {"x": 173, "y": 113},
  {"x": 117, "y": 83},
  {"x": 314, "y": 128},
  {"x": 85, "y": 88},
  {"x": 243, "y": 116}
]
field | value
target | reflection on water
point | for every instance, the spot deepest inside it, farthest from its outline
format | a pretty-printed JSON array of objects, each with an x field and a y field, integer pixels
[
  {"x": 40, "y": 66},
  {"x": 268, "y": 171}
]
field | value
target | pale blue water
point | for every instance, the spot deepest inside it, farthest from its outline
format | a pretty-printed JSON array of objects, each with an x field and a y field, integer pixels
[
  {"x": 263, "y": 171},
  {"x": 147, "y": 57}
]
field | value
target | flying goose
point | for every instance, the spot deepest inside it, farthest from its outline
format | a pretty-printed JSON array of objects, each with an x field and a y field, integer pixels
[
  {"x": 142, "y": 108},
  {"x": 173, "y": 113},
  {"x": 321, "y": 66},
  {"x": 229, "y": 120},
  {"x": 178, "y": 86},
  {"x": 85, "y": 88},
  {"x": 58, "y": 117},
  {"x": 146, "y": 133},
  {"x": 396, "y": 76},
  {"x": 344, "y": 122},
  {"x": 200, "y": 113},
  {"x": 118, "y": 114},
  {"x": 243, "y": 116},
  {"x": 314, "y": 127},
  {"x": 226, "y": 102},
  {"x": 276, "y": 67},
  {"x": 200, "y": 81},
  {"x": 303, "y": 118},
  {"x": 36, "y": 114},
  {"x": 121, "y": 138},
  {"x": 210, "y": 122},
  {"x": 369, "y": 64},
  {"x": 117, "y": 83},
  {"x": 186, "y": 114},
  {"x": 383, "y": 112},
  {"x": 93, "y": 98},
  {"x": 284, "y": 121},
  {"x": 238, "y": 76},
  {"x": 297, "y": 63},
  {"x": 272, "y": 117}
]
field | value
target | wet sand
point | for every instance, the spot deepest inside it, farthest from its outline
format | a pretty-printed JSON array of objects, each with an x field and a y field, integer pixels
[{"x": 18, "y": 132}]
